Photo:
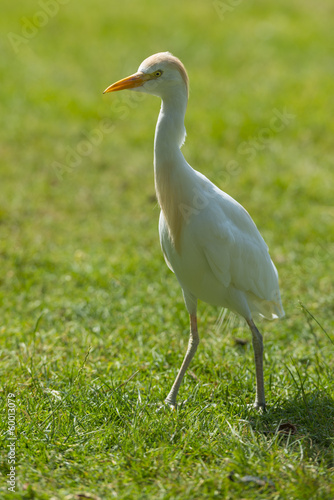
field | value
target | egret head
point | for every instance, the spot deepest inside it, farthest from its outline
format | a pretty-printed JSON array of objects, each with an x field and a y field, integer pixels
[{"x": 161, "y": 74}]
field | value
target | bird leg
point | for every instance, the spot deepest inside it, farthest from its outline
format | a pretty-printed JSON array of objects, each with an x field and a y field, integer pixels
[
  {"x": 257, "y": 341},
  {"x": 192, "y": 347}
]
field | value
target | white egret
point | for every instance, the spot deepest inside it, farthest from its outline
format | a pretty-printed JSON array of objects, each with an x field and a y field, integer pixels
[{"x": 208, "y": 239}]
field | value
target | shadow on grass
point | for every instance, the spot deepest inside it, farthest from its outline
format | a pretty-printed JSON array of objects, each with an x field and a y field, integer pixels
[{"x": 309, "y": 417}]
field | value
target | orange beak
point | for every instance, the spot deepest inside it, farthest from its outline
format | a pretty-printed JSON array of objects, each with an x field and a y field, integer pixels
[{"x": 130, "y": 82}]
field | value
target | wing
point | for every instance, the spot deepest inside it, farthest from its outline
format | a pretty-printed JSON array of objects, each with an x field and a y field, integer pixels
[{"x": 236, "y": 251}]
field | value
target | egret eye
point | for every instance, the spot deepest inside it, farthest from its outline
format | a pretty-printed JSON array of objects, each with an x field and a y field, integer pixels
[{"x": 157, "y": 73}]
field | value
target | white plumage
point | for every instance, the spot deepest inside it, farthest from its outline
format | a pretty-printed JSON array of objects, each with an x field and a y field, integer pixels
[{"x": 208, "y": 239}]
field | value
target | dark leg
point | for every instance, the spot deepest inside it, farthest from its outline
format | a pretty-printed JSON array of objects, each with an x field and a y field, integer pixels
[{"x": 257, "y": 341}]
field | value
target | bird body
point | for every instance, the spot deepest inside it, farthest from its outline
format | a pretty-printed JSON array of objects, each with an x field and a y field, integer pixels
[{"x": 208, "y": 239}]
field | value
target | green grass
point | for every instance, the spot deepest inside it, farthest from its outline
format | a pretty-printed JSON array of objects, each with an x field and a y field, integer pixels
[{"x": 93, "y": 325}]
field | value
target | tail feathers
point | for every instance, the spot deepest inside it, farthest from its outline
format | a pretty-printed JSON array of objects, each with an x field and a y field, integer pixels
[{"x": 269, "y": 309}]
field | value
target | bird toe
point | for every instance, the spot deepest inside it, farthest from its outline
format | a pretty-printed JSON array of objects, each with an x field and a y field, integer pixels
[
  {"x": 171, "y": 403},
  {"x": 260, "y": 406}
]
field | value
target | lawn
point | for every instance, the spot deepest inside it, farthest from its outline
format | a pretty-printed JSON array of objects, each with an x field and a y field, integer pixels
[{"x": 93, "y": 325}]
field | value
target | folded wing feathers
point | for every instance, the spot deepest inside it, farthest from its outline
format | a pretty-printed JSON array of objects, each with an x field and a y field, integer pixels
[{"x": 241, "y": 258}]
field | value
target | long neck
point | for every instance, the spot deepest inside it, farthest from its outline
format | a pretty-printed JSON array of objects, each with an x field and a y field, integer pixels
[
  {"x": 170, "y": 167},
  {"x": 170, "y": 131}
]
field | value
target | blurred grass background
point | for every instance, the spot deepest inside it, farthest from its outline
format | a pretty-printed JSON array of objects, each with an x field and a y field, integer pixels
[{"x": 81, "y": 267}]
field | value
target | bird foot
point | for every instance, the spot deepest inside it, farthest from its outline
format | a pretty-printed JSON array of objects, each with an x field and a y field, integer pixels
[
  {"x": 257, "y": 406},
  {"x": 172, "y": 404},
  {"x": 261, "y": 407}
]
